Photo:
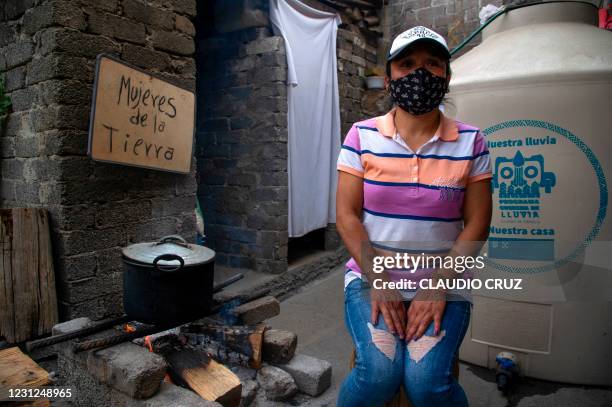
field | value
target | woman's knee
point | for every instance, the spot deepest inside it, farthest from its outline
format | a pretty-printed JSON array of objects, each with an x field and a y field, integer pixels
[
  {"x": 379, "y": 374},
  {"x": 430, "y": 388}
]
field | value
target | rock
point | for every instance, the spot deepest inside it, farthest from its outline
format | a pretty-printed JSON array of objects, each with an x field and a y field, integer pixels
[
  {"x": 312, "y": 375},
  {"x": 249, "y": 391},
  {"x": 279, "y": 346},
  {"x": 277, "y": 383}
]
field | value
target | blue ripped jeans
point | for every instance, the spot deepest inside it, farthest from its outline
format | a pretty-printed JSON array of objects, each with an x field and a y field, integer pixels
[{"x": 384, "y": 361}]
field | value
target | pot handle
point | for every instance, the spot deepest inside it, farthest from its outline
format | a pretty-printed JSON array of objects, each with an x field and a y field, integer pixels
[
  {"x": 168, "y": 268},
  {"x": 176, "y": 239}
]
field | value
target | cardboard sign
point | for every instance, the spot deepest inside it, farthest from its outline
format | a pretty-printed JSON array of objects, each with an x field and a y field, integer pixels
[{"x": 137, "y": 119}]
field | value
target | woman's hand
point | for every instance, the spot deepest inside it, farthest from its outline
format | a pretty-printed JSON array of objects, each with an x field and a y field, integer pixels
[
  {"x": 426, "y": 306},
  {"x": 389, "y": 304}
]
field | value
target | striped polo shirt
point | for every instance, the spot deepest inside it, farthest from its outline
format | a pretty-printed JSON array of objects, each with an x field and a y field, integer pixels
[{"x": 413, "y": 200}]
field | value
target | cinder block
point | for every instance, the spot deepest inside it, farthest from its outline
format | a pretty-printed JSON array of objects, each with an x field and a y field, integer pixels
[
  {"x": 264, "y": 45},
  {"x": 312, "y": 375},
  {"x": 70, "y": 326},
  {"x": 173, "y": 42},
  {"x": 256, "y": 311},
  {"x": 129, "y": 368},
  {"x": 279, "y": 346}
]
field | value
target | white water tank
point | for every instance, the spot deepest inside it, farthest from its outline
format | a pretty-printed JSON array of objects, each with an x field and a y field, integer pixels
[{"x": 540, "y": 86}]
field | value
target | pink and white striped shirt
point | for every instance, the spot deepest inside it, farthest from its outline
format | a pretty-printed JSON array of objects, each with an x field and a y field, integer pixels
[{"x": 413, "y": 200}]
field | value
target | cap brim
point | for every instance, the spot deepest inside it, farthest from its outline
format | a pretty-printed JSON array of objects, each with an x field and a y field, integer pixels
[{"x": 434, "y": 42}]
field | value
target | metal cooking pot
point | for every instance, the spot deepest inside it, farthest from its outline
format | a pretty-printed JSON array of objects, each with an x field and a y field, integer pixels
[{"x": 168, "y": 282}]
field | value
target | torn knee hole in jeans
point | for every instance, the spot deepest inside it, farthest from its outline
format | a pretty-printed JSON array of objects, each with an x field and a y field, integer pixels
[
  {"x": 418, "y": 349},
  {"x": 383, "y": 340}
]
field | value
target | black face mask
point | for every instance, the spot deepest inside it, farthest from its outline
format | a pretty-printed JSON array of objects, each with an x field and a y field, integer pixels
[{"x": 418, "y": 92}]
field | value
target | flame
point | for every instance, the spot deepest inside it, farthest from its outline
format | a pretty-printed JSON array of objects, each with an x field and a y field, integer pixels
[
  {"x": 167, "y": 379},
  {"x": 128, "y": 328},
  {"x": 148, "y": 344}
]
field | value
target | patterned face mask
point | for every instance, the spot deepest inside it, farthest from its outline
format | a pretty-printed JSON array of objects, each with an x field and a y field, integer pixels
[{"x": 418, "y": 92}]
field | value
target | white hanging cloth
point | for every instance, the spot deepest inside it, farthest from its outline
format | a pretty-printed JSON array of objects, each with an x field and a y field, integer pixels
[{"x": 313, "y": 112}]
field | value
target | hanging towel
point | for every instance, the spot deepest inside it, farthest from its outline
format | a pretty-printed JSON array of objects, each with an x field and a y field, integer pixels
[{"x": 313, "y": 112}]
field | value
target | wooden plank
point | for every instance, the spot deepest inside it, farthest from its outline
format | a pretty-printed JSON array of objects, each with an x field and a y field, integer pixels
[
  {"x": 209, "y": 379},
  {"x": 7, "y": 308},
  {"x": 28, "y": 297},
  {"x": 18, "y": 370},
  {"x": 138, "y": 119},
  {"x": 48, "y": 310},
  {"x": 25, "y": 274}
]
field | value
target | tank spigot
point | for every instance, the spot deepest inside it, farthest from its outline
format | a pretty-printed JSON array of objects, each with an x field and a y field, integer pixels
[{"x": 507, "y": 370}]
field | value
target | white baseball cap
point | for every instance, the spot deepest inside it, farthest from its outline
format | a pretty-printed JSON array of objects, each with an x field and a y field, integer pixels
[{"x": 418, "y": 33}]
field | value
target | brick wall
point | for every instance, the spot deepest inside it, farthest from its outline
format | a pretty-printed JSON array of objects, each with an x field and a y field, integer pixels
[
  {"x": 242, "y": 144},
  {"x": 453, "y": 19},
  {"x": 357, "y": 51},
  {"x": 242, "y": 135},
  {"x": 47, "y": 55}
]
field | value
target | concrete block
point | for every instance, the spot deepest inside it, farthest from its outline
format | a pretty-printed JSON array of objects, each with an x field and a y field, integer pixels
[
  {"x": 118, "y": 27},
  {"x": 185, "y": 25},
  {"x": 277, "y": 383},
  {"x": 70, "y": 326},
  {"x": 146, "y": 12},
  {"x": 259, "y": 310},
  {"x": 76, "y": 43},
  {"x": 145, "y": 57},
  {"x": 58, "y": 12},
  {"x": 187, "y": 7},
  {"x": 173, "y": 42},
  {"x": 7, "y": 34},
  {"x": 279, "y": 346},
  {"x": 264, "y": 45},
  {"x": 129, "y": 368},
  {"x": 312, "y": 375},
  {"x": 15, "y": 78},
  {"x": 17, "y": 53},
  {"x": 78, "y": 267},
  {"x": 59, "y": 66}
]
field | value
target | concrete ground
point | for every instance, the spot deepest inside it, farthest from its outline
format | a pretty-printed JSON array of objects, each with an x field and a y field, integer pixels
[{"x": 315, "y": 313}]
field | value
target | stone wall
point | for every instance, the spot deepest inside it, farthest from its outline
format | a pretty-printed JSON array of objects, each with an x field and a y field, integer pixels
[
  {"x": 242, "y": 133},
  {"x": 357, "y": 51},
  {"x": 453, "y": 19},
  {"x": 242, "y": 144},
  {"x": 47, "y": 55}
]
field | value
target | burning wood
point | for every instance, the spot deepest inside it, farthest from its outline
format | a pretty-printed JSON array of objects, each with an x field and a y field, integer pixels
[
  {"x": 147, "y": 343},
  {"x": 236, "y": 344}
]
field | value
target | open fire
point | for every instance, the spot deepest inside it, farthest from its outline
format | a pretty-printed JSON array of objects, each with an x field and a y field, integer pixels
[{"x": 230, "y": 358}]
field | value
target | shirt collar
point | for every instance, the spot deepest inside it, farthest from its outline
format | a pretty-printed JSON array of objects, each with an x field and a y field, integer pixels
[{"x": 447, "y": 130}]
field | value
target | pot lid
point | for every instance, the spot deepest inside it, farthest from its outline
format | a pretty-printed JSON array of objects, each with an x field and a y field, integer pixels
[{"x": 191, "y": 254}]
